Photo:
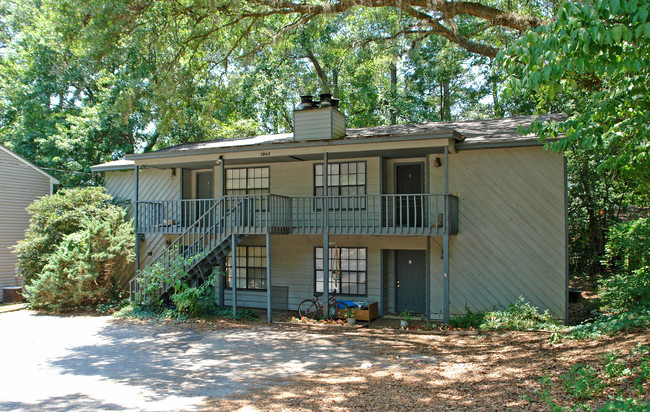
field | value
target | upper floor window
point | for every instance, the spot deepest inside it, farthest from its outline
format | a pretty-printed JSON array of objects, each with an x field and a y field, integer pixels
[
  {"x": 247, "y": 180},
  {"x": 343, "y": 179}
]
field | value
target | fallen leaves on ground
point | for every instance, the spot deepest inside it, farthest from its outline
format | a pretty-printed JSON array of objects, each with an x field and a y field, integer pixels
[{"x": 491, "y": 372}]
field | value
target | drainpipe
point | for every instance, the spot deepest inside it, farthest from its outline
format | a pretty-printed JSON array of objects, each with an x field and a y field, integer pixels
[
  {"x": 445, "y": 243},
  {"x": 326, "y": 237},
  {"x": 136, "y": 222}
]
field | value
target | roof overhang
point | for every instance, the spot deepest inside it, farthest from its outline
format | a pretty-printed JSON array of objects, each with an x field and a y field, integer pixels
[
  {"x": 122, "y": 164},
  {"x": 387, "y": 146}
]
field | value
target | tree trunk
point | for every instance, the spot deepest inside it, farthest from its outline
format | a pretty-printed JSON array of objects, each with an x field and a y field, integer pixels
[
  {"x": 446, "y": 101},
  {"x": 393, "y": 92}
]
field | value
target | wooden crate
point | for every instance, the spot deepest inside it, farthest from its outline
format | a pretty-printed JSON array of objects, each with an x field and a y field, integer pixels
[{"x": 369, "y": 314}]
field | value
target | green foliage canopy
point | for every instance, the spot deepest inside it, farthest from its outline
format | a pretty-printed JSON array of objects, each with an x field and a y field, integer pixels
[{"x": 597, "y": 54}]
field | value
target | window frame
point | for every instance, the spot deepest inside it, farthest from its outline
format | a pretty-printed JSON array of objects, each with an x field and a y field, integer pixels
[
  {"x": 339, "y": 288},
  {"x": 248, "y": 189},
  {"x": 338, "y": 204},
  {"x": 248, "y": 267}
]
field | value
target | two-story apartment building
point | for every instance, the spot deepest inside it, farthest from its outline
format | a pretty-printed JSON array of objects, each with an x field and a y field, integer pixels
[{"x": 432, "y": 218}]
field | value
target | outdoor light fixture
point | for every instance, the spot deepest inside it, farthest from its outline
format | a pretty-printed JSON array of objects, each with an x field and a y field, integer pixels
[
  {"x": 219, "y": 160},
  {"x": 437, "y": 162}
]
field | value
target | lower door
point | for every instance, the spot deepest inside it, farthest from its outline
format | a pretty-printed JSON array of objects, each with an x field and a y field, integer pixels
[{"x": 410, "y": 280}]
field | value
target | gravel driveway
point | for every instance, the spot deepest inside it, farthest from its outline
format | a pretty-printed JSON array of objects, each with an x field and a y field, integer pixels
[{"x": 90, "y": 363}]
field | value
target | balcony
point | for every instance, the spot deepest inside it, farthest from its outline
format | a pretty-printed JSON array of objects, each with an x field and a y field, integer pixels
[{"x": 416, "y": 214}]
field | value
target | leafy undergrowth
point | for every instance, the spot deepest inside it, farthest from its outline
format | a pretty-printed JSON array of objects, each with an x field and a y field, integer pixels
[
  {"x": 619, "y": 382},
  {"x": 209, "y": 315},
  {"x": 520, "y": 315},
  {"x": 610, "y": 324}
]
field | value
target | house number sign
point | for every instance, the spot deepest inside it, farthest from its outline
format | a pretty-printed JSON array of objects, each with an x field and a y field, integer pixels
[{"x": 265, "y": 154}]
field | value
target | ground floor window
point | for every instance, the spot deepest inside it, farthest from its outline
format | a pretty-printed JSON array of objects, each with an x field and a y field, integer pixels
[
  {"x": 251, "y": 268},
  {"x": 347, "y": 268}
]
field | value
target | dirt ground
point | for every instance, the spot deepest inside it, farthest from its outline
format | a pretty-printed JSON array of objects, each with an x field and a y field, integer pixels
[{"x": 491, "y": 372}]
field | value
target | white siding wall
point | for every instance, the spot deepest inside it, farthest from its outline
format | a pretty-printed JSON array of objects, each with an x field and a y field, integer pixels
[{"x": 20, "y": 185}]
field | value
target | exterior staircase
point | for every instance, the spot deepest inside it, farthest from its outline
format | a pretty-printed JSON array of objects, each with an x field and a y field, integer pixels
[{"x": 202, "y": 246}]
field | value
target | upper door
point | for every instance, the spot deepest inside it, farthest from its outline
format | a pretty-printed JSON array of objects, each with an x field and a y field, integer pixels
[
  {"x": 204, "y": 185},
  {"x": 408, "y": 181},
  {"x": 204, "y": 190}
]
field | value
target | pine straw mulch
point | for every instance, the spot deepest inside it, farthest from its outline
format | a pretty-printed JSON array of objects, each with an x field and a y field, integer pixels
[{"x": 492, "y": 372}]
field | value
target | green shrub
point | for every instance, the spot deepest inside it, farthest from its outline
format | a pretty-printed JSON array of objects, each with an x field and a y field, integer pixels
[
  {"x": 468, "y": 320},
  {"x": 625, "y": 292},
  {"x": 88, "y": 267},
  {"x": 520, "y": 315},
  {"x": 187, "y": 300},
  {"x": 53, "y": 218},
  {"x": 610, "y": 324},
  {"x": 628, "y": 247}
]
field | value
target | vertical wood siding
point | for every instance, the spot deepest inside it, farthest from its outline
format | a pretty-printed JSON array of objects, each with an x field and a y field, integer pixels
[{"x": 20, "y": 185}]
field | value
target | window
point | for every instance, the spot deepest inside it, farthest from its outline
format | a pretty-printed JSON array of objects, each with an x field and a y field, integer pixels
[
  {"x": 247, "y": 180},
  {"x": 348, "y": 270},
  {"x": 343, "y": 179},
  {"x": 251, "y": 268}
]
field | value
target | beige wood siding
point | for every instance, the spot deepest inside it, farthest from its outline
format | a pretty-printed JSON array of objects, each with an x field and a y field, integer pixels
[
  {"x": 292, "y": 260},
  {"x": 511, "y": 239},
  {"x": 20, "y": 185},
  {"x": 154, "y": 184},
  {"x": 316, "y": 124}
]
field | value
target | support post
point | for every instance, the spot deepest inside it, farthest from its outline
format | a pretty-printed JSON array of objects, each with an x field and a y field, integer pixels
[
  {"x": 233, "y": 275},
  {"x": 136, "y": 220},
  {"x": 326, "y": 237},
  {"x": 445, "y": 243},
  {"x": 222, "y": 178},
  {"x": 222, "y": 283},
  {"x": 427, "y": 287},
  {"x": 381, "y": 282},
  {"x": 269, "y": 315}
]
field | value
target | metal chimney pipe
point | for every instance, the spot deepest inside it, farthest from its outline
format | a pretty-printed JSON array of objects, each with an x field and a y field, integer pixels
[
  {"x": 306, "y": 102},
  {"x": 325, "y": 99}
]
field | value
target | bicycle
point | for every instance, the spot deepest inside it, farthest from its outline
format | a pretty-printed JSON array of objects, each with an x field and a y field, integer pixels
[{"x": 313, "y": 308}]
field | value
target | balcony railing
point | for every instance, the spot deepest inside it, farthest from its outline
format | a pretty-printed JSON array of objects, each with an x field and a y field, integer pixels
[
  {"x": 241, "y": 214},
  {"x": 413, "y": 214}
]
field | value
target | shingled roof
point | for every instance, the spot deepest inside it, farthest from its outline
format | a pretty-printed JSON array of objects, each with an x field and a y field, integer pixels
[{"x": 468, "y": 133}]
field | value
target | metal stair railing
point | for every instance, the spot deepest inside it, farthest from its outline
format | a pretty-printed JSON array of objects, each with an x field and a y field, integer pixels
[{"x": 204, "y": 235}]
